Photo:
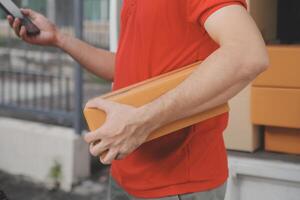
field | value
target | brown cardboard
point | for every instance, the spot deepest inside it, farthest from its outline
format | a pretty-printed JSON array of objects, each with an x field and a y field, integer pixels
[
  {"x": 276, "y": 107},
  {"x": 147, "y": 91},
  {"x": 282, "y": 140},
  {"x": 241, "y": 134},
  {"x": 284, "y": 70}
]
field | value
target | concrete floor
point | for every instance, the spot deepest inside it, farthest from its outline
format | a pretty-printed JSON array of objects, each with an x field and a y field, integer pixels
[
  {"x": 95, "y": 187},
  {"x": 20, "y": 188}
]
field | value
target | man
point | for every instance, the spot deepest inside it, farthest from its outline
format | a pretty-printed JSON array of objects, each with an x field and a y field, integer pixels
[{"x": 159, "y": 36}]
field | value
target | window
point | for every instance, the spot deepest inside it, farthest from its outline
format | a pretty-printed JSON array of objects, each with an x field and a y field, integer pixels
[
  {"x": 38, "y": 5},
  {"x": 96, "y": 10}
]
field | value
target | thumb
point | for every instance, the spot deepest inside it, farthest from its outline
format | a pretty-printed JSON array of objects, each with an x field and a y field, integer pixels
[
  {"x": 99, "y": 103},
  {"x": 30, "y": 13}
]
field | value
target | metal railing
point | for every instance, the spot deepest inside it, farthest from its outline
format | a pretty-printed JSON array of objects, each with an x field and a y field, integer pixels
[
  {"x": 38, "y": 93},
  {"x": 43, "y": 83}
]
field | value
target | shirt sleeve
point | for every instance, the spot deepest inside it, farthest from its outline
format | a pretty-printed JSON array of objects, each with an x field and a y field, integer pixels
[{"x": 199, "y": 10}]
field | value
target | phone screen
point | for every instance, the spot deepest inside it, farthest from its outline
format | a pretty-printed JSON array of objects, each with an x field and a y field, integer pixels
[{"x": 10, "y": 8}]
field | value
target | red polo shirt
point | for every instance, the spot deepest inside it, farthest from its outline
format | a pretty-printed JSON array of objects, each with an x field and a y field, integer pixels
[{"x": 159, "y": 36}]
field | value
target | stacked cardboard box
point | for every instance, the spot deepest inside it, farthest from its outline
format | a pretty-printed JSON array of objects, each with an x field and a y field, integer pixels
[
  {"x": 275, "y": 100},
  {"x": 241, "y": 134}
]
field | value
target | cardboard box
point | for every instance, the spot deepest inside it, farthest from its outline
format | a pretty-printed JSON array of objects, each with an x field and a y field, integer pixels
[
  {"x": 276, "y": 107},
  {"x": 282, "y": 140},
  {"x": 284, "y": 71},
  {"x": 241, "y": 134},
  {"x": 147, "y": 91}
]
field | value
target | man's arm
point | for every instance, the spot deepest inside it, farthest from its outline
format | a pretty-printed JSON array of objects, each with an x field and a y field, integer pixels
[
  {"x": 241, "y": 57},
  {"x": 98, "y": 61}
]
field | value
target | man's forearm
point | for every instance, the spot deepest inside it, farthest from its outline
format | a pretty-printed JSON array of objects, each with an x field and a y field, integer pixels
[
  {"x": 220, "y": 77},
  {"x": 98, "y": 61}
]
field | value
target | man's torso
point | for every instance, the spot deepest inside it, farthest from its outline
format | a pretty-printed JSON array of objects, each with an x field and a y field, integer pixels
[{"x": 159, "y": 36}]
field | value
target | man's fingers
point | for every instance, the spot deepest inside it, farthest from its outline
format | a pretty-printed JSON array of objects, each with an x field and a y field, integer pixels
[
  {"x": 16, "y": 26},
  {"x": 93, "y": 136},
  {"x": 91, "y": 104},
  {"x": 99, "y": 103},
  {"x": 97, "y": 149},
  {"x": 96, "y": 135},
  {"x": 30, "y": 13},
  {"x": 16, "y": 23},
  {"x": 10, "y": 20},
  {"x": 90, "y": 137},
  {"x": 120, "y": 156},
  {"x": 26, "y": 11},
  {"x": 110, "y": 156},
  {"x": 23, "y": 32}
]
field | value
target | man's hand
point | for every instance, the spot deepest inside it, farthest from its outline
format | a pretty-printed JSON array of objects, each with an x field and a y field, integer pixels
[
  {"x": 124, "y": 130},
  {"x": 49, "y": 32},
  {"x": 99, "y": 61}
]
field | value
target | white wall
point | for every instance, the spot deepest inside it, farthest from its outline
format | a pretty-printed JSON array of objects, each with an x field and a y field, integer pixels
[
  {"x": 115, "y": 7},
  {"x": 31, "y": 149},
  {"x": 263, "y": 179}
]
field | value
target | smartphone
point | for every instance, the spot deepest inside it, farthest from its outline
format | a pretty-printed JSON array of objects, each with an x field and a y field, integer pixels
[{"x": 11, "y": 9}]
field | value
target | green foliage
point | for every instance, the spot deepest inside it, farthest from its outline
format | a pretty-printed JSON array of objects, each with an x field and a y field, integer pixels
[{"x": 56, "y": 172}]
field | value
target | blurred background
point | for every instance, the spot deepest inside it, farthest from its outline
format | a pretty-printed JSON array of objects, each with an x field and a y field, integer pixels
[
  {"x": 42, "y": 90},
  {"x": 39, "y": 81}
]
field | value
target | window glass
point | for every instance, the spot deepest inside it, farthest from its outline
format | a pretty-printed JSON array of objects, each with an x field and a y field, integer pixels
[
  {"x": 96, "y": 10},
  {"x": 38, "y": 5}
]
